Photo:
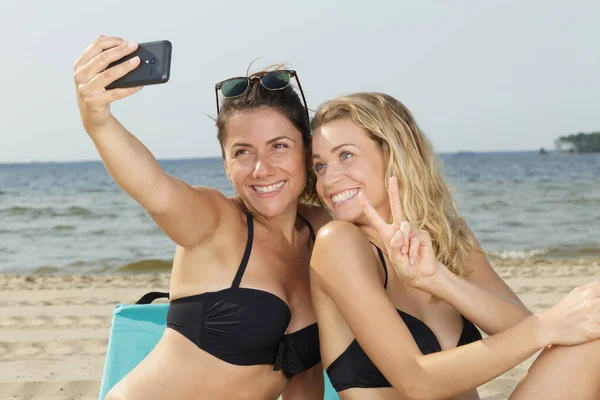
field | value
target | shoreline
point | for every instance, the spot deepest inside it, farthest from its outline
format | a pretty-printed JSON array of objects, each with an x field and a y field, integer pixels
[{"x": 159, "y": 266}]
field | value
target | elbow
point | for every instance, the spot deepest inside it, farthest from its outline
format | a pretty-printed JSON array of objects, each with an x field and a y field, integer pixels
[
  {"x": 414, "y": 385},
  {"x": 411, "y": 391}
]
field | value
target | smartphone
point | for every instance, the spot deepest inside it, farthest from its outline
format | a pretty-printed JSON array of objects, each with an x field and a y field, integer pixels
[{"x": 154, "y": 67}]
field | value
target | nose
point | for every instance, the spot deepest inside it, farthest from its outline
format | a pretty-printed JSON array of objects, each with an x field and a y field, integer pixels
[
  {"x": 331, "y": 177},
  {"x": 263, "y": 168}
]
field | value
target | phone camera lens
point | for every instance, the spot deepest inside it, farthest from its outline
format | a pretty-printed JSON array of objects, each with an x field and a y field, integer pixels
[{"x": 152, "y": 60}]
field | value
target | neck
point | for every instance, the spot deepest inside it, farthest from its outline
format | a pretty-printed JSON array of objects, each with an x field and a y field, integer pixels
[
  {"x": 284, "y": 223},
  {"x": 370, "y": 230}
]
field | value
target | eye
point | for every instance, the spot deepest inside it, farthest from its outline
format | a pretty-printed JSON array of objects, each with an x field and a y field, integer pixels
[
  {"x": 344, "y": 155},
  {"x": 240, "y": 152},
  {"x": 280, "y": 145},
  {"x": 319, "y": 166}
]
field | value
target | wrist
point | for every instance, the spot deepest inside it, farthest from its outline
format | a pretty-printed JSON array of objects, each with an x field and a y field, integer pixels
[
  {"x": 541, "y": 330},
  {"x": 94, "y": 130},
  {"x": 438, "y": 283}
]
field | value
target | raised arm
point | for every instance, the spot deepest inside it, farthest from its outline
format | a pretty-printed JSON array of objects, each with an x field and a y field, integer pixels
[
  {"x": 485, "y": 299},
  {"x": 187, "y": 215},
  {"x": 342, "y": 266}
]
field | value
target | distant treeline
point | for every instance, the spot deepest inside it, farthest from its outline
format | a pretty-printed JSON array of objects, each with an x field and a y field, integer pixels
[{"x": 579, "y": 142}]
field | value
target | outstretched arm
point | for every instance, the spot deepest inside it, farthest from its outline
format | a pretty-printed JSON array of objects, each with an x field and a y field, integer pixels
[{"x": 187, "y": 215}]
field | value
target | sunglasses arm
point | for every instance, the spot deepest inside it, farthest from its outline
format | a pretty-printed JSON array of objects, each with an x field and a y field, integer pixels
[
  {"x": 217, "y": 96},
  {"x": 302, "y": 93}
]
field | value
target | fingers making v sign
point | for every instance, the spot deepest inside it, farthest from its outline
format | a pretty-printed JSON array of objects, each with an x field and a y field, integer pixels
[{"x": 410, "y": 250}]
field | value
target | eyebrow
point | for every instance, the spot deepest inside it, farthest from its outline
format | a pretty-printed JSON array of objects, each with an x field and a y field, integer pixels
[
  {"x": 336, "y": 148},
  {"x": 268, "y": 141}
]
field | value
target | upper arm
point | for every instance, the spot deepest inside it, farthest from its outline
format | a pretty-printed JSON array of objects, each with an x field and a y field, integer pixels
[
  {"x": 484, "y": 275},
  {"x": 190, "y": 215},
  {"x": 346, "y": 270}
]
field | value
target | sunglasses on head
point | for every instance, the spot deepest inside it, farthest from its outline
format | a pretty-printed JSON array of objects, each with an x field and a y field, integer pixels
[{"x": 273, "y": 80}]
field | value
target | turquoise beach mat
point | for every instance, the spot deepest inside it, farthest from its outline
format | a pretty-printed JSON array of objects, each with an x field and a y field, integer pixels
[{"x": 136, "y": 328}]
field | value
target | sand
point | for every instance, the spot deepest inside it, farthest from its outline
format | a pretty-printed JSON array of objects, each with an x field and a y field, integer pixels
[{"x": 54, "y": 328}]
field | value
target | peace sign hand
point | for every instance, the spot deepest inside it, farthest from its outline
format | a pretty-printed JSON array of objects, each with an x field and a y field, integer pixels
[{"x": 410, "y": 250}]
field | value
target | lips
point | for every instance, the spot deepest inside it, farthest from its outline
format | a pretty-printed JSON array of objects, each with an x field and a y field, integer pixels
[
  {"x": 345, "y": 195},
  {"x": 268, "y": 189}
]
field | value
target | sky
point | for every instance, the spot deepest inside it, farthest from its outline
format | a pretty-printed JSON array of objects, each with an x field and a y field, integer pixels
[{"x": 477, "y": 75}]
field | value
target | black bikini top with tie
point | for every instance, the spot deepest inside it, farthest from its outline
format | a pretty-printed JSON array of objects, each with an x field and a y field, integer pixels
[{"x": 244, "y": 326}]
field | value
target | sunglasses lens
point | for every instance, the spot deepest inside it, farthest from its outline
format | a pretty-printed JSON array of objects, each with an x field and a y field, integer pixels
[
  {"x": 276, "y": 80},
  {"x": 234, "y": 87}
]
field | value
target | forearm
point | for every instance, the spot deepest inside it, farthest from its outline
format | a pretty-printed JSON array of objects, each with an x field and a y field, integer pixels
[
  {"x": 491, "y": 312},
  {"x": 451, "y": 372},
  {"x": 131, "y": 165}
]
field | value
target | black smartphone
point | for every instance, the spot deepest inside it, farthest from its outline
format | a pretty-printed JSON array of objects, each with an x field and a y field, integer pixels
[{"x": 154, "y": 67}]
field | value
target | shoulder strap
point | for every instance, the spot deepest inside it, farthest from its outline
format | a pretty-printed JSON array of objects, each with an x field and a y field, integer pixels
[
  {"x": 310, "y": 228},
  {"x": 149, "y": 297},
  {"x": 242, "y": 268},
  {"x": 382, "y": 258}
]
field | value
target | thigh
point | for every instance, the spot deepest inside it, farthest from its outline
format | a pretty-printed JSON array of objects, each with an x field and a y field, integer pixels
[{"x": 563, "y": 372}]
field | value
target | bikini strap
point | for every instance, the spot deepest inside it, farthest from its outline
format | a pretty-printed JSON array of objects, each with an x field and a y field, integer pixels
[
  {"x": 310, "y": 228},
  {"x": 382, "y": 258},
  {"x": 242, "y": 268}
]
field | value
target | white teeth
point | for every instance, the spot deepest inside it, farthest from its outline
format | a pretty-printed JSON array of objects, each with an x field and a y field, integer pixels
[
  {"x": 344, "y": 196},
  {"x": 270, "y": 188}
]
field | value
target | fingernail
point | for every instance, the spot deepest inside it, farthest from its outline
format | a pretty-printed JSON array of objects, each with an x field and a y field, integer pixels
[
  {"x": 131, "y": 45},
  {"x": 403, "y": 249},
  {"x": 100, "y": 36},
  {"x": 134, "y": 60},
  {"x": 412, "y": 261}
]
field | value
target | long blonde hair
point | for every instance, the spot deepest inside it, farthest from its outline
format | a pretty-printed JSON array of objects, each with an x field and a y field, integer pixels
[{"x": 425, "y": 196}]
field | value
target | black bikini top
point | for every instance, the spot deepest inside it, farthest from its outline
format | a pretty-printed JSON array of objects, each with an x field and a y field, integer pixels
[
  {"x": 353, "y": 368},
  {"x": 246, "y": 326}
]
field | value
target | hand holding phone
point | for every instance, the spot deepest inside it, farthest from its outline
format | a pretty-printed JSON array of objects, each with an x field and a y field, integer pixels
[
  {"x": 154, "y": 67},
  {"x": 104, "y": 65}
]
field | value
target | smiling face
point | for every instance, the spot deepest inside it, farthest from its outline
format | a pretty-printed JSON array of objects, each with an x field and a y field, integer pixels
[
  {"x": 265, "y": 160},
  {"x": 346, "y": 161}
]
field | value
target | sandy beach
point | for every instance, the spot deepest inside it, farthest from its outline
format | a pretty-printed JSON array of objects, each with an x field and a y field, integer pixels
[{"x": 54, "y": 328}]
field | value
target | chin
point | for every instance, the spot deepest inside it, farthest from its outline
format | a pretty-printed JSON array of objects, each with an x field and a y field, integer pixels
[
  {"x": 348, "y": 214},
  {"x": 270, "y": 207}
]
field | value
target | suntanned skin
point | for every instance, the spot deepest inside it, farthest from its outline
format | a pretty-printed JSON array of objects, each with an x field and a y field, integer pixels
[
  {"x": 262, "y": 148},
  {"x": 351, "y": 302}
]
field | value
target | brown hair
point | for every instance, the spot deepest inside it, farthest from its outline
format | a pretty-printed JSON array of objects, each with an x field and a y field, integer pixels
[
  {"x": 287, "y": 102},
  {"x": 425, "y": 197}
]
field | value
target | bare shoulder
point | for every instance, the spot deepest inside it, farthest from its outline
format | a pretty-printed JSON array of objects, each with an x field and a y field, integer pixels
[
  {"x": 339, "y": 232},
  {"x": 316, "y": 215},
  {"x": 212, "y": 193},
  {"x": 230, "y": 215},
  {"x": 224, "y": 203},
  {"x": 342, "y": 254}
]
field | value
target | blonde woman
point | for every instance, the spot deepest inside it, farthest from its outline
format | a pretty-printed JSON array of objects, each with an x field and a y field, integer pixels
[{"x": 399, "y": 282}]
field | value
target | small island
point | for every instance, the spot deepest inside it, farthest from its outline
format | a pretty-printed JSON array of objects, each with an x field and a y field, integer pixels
[{"x": 579, "y": 143}]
